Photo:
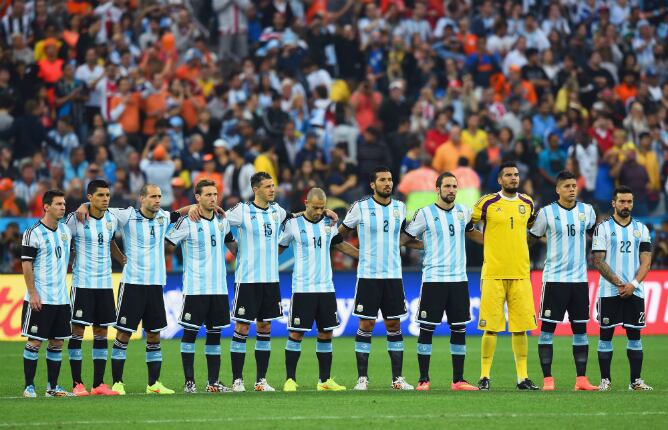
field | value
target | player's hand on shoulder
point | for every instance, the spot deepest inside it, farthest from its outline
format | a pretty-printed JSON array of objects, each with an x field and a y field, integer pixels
[
  {"x": 35, "y": 302},
  {"x": 82, "y": 213},
  {"x": 219, "y": 211},
  {"x": 331, "y": 215},
  {"x": 193, "y": 213}
]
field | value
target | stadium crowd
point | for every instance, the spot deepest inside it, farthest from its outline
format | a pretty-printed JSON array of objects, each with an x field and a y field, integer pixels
[{"x": 320, "y": 92}]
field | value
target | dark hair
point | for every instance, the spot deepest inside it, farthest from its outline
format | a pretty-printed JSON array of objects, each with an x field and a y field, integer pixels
[
  {"x": 506, "y": 165},
  {"x": 442, "y": 176},
  {"x": 51, "y": 194},
  {"x": 565, "y": 175},
  {"x": 144, "y": 190},
  {"x": 95, "y": 184},
  {"x": 622, "y": 189},
  {"x": 204, "y": 183},
  {"x": 258, "y": 177},
  {"x": 379, "y": 169}
]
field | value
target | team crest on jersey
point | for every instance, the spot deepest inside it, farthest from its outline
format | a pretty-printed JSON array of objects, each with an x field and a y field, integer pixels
[
  {"x": 33, "y": 329},
  {"x": 220, "y": 226},
  {"x": 297, "y": 321},
  {"x": 636, "y": 234},
  {"x": 460, "y": 215},
  {"x": 242, "y": 311},
  {"x": 109, "y": 226},
  {"x": 187, "y": 317},
  {"x": 78, "y": 313},
  {"x": 63, "y": 237},
  {"x": 522, "y": 209},
  {"x": 275, "y": 216},
  {"x": 396, "y": 213},
  {"x": 328, "y": 230},
  {"x": 581, "y": 217},
  {"x": 161, "y": 220},
  {"x": 483, "y": 323}
]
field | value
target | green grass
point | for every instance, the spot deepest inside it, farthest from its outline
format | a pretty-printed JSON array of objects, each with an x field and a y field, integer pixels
[{"x": 503, "y": 407}]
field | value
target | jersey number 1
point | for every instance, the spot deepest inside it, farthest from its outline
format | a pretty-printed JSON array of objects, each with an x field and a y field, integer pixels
[{"x": 512, "y": 223}]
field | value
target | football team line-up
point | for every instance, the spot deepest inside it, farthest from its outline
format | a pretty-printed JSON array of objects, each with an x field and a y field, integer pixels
[{"x": 508, "y": 222}]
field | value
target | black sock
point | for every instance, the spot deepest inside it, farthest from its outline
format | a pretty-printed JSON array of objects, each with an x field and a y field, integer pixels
[
  {"x": 238, "y": 354},
  {"x": 212, "y": 352},
  {"x": 153, "y": 361},
  {"x": 100, "y": 352},
  {"x": 395, "y": 348},
  {"x": 74, "y": 352},
  {"x": 323, "y": 350},
  {"x": 634, "y": 353},
  {"x": 424, "y": 347},
  {"x": 362, "y": 351},
  {"x": 30, "y": 356},
  {"x": 580, "y": 347},
  {"x": 188, "y": 354},
  {"x": 293, "y": 349},
  {"x": 458, "y": 352},
  {"x": 54, "y": 356},
  {"x": 118, "y": 355},
  {"x": 546, "y": 347},
  {"x": 262, "y": 354},
  {"x": 604, "y": 358}
]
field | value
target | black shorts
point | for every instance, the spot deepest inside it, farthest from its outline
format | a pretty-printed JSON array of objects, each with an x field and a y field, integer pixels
[
  {"x": 614, "y": 311},
  {"x": 308, "y": 307},
  {"x": 559, "y": 297},
  {"x": 52, "y": 322},
  {"x": 257, "y": 302},
  {"x": 386, "y": 295},
  {"x": 93, "y": 306},
  {"x": 439, "y": 297},
  {"x": 141, "y": 303},
  {"x": 210, "y": 310}
]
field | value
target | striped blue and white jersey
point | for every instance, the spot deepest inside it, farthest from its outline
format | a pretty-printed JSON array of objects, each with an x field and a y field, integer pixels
[
  {"x": 311, "y": 241},
  {"x": 379, "y": 230},
  {"x": 566, "y": 233},
  {"x": 443, "y": 232},
  {"x": 259, "y": 233},
  {"x": 49, "y": 250},
  {"x": 622, "y": 246},
  {"x": 92, "y": 250},
  {"x": 203, "y": 245},
  {"x": 144, "y": 245}
]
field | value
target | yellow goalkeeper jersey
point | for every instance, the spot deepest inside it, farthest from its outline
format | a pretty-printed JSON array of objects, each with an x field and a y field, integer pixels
[{"x": 504, "y": 225}]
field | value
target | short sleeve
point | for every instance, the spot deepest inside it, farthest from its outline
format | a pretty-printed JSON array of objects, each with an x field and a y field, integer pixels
[
  {"x": 645, "y": 237},
  {"x": 600, "y": 240},
  {"x": 353, "y": 217},
  {"x": 476, "y": 214},
  {"x": 591, "y": 217},
  {"x": 235, "y": 215},
  {"x": 71, "y": 223},
  {"x": 179, "y": 232},
  {"x": 29, "y": 245},
  {"x": 282, "y": 213},
  {"x": 336, "y": 240},
  {"x": 286, "y": 235},
  {"x": 418, "y": 225},
  {"x": 122, "y": 215},
  {"x": 539, "y": 227}
]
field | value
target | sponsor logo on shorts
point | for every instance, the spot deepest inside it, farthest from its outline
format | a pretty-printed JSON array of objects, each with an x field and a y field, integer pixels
[
  {"x": 78, "y": 313},
  {"x": 297, "y": 321},
  {"x": 187, "y": 317},
  {"x": 423, "y": 314},
  {"x": 336, "y": 315},
  {"x": 242, "y": 311},
  {"x": 33, "y": 329},
  {"x": 548, "y": 313},
  {"x": 606, "y": 320},
  {"x": 123, "y": 320},
  {"x": 483, "y": 323},
  {"x": 359, "y": 308}
]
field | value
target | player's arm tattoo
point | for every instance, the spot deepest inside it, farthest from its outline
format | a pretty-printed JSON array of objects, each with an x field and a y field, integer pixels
[
  {"x": 410, "y": 242},
  {"x": 348, "y": 249},
  {"x": 605, "y": 270}
]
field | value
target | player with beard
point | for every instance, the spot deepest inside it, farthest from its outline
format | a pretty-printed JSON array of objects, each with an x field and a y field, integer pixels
[
  {"x": 505, "y": 217},
  {"x": 443, "y": 228},
  {"x": 379, "y": 221}
]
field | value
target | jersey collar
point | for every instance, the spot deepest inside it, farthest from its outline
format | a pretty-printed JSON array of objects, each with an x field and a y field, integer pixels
[
  {"x": 517, "y": 196},
  {"x": 622, "y": 226},
  {"x": 565, "y": 208},
  {"x": 379, "y": 203}
]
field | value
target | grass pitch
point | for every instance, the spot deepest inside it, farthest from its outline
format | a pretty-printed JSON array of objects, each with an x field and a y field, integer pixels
[{"x": 503, "y": 407}]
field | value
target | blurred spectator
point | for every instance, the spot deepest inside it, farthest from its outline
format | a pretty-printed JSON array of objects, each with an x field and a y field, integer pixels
[
  {"x": 10, "y": 249},
  {"x": 661, "y": 246},
  {"x": 447, "y": 155},
  {"x": 371, "y": 153},
  {"x": 237, "y": 177},
  {"x": 159, "y": 170},
  {"x": 551, "y": 161},
  {"x": 634, "y": 175}
]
